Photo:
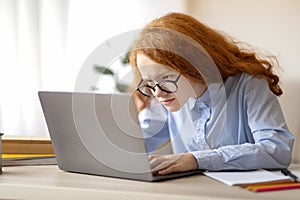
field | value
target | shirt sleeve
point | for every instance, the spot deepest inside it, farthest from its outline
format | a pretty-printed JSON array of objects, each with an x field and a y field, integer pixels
[{"x": 273, "y": 143}]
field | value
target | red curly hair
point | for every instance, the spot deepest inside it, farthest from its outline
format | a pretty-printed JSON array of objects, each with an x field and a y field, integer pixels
[{"x": 162, "y": 41}]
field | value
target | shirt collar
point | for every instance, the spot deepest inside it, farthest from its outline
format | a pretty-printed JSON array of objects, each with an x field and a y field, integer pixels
[
  {"x": 204, "y": 98},
  {"x": 202, "y": 101}
]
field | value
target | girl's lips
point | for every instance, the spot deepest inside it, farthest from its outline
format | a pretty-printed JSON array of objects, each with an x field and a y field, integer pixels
[{"x": 167, "y": 102}]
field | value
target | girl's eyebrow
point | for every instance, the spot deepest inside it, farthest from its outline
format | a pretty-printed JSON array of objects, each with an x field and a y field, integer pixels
[
  {"x": 148, "y": 80},
  {"x": 166, "y": 75}
]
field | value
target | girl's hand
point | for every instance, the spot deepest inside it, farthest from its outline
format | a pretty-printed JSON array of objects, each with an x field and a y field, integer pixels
[{"x": 166, "y": 164}]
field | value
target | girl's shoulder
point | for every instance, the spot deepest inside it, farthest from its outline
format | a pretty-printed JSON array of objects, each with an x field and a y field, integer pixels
[
  {"x": 243, "y": 80},
  {"x": 244, "y": 84}
]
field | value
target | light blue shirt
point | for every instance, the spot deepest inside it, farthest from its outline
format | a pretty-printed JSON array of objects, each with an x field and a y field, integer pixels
[{"x": 237, "y": 125}]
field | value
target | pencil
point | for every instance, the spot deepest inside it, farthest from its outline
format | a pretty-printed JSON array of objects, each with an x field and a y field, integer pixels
[
  {"x": 277, "y": 187},
  {"x": 267, "y": 184}
]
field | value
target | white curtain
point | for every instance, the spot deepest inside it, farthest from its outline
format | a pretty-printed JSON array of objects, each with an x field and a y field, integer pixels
[
  {"x": 43, "y": 44},
  {"x": 20, "y": 67}
]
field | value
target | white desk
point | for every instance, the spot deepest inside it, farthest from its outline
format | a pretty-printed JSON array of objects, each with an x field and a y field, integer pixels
[{"x": 48, "y": 182}]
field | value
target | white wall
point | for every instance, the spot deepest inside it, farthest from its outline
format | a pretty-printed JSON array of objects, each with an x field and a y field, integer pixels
[
  {"x": 269, "y": 24},
  {"x": 44, "y": 43}
]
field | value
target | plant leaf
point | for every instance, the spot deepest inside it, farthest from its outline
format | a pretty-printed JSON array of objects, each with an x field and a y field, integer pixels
[
  {"x": 125, "y": 59},
  {"x": 103, "y": 70},
  {"x": 122, "y": 87}
]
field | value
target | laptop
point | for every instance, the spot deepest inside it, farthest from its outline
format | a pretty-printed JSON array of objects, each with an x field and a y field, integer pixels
[{"x": 98, "y": 134}]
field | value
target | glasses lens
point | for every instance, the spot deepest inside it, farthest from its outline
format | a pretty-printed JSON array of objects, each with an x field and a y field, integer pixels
[
  {"x": 168, "y": 86},
  {"x": 146, "y": 90}
]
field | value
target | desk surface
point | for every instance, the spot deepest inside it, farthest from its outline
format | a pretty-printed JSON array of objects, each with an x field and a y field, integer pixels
[{"x": 48, "y": 182}]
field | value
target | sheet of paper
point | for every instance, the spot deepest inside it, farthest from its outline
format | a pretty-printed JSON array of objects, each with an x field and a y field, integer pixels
[{"x": 246, "y": 177}]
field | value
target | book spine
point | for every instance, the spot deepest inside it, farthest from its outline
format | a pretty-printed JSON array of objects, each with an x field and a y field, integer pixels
[
  {"x": 30, "y": 148},
  {"x": 1, "y": 152}
]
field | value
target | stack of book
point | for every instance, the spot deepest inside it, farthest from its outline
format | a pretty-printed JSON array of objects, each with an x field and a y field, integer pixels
[{"x": 27, "y": 150}]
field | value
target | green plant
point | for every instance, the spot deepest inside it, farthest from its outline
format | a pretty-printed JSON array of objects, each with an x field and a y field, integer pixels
[{"x": 104, "y": 70}]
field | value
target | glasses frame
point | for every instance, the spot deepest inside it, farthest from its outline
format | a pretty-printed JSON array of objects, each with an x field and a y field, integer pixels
[{"x": 158, "y": 85}]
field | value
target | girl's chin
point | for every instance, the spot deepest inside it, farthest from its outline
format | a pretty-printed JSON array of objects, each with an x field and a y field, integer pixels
[{"x": 172, "y": 108}]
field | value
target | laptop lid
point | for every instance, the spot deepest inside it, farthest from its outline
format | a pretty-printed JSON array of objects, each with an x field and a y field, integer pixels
[{"x": 97, "y": 134}]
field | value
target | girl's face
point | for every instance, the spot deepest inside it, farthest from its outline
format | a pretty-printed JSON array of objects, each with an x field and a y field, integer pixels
[{"x": 153, "y": 73}]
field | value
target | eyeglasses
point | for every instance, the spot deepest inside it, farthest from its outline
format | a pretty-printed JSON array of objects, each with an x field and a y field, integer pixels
[{"x": 165, "y": 86}]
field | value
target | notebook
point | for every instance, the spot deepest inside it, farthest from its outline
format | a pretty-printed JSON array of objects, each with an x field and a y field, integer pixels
[
  {"x": 247, "y": 177},
  {"x": 98, "y": 134}
]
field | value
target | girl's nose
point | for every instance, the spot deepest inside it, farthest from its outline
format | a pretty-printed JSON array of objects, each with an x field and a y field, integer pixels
[{"x": 158, "y": 92}]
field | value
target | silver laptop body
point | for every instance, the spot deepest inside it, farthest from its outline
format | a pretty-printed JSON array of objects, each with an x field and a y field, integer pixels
[{"x": 98, "y": 134}]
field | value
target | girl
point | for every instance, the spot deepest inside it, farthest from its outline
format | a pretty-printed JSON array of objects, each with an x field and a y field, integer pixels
[{"x": 220, "y": 108}]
